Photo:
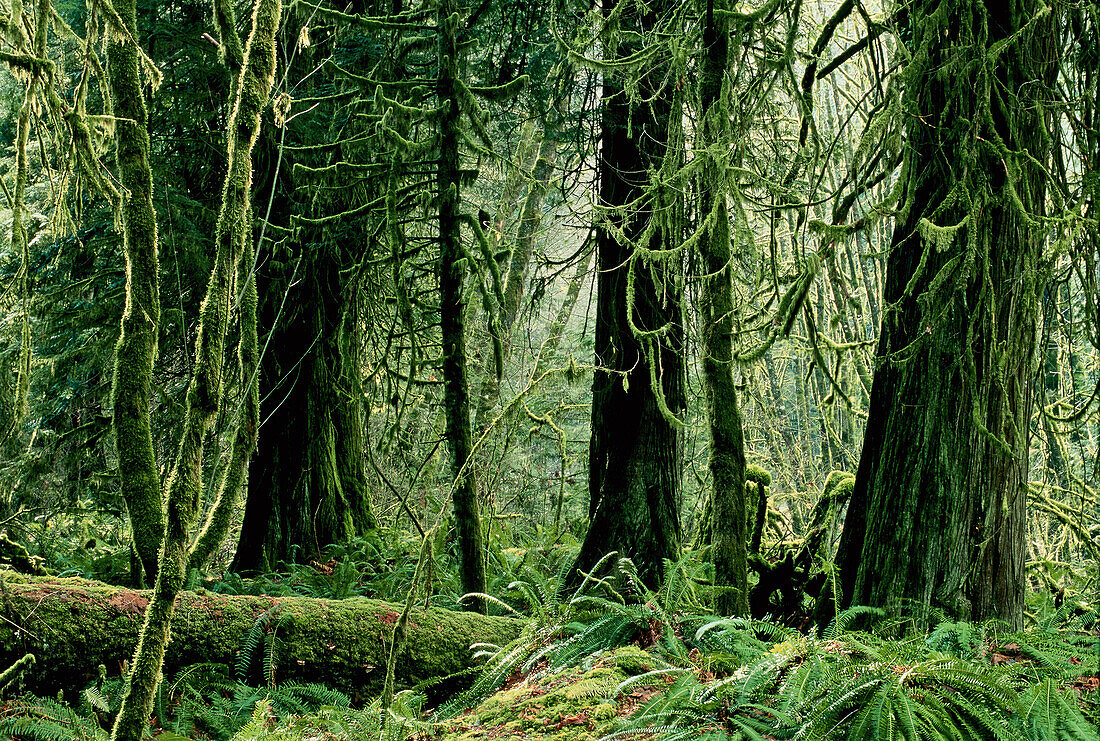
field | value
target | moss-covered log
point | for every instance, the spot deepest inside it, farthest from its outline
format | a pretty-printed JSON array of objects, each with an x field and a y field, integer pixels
[{"x": 74, "y": 625}]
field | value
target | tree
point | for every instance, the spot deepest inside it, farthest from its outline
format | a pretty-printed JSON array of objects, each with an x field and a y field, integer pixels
[
  {"x": 638, "y": 386},
  {"x": 184, "y": 485},
  {"x": 309, "y": 491},
  {"x": 139, "y": 476},
  {"x": 938, "y": 513},
  {"x": 452, "y": 307},
  {"x": 727, "y": 443}
]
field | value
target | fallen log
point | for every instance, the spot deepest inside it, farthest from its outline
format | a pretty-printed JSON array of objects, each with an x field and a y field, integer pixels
[{"x": 72, "y": 626}]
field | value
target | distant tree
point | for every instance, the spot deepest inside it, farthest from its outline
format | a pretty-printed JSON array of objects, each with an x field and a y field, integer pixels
[{"x": 938, "y": 514}]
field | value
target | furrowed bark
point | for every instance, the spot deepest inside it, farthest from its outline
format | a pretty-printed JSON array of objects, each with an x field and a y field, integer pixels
[
  {"x": 638, "y": 386},
  {"x": 938, "y": 515}
]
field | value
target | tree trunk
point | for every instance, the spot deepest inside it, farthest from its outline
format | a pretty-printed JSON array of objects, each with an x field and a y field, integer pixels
[
  {"x": 514, "y": 287},
  {"x": 308, "y": 490},
  {"x": 204, "y": 392},
  {"x": 452, "y": 307},
  {"x": 638, "y": 386},
  {"x": 938, "y": 512},
  {"x": 307, "y": 481},
  {"x": 73, "y": 625},
  {"x": 139, "y": 477},
  {"x": 727, "y": 443}
]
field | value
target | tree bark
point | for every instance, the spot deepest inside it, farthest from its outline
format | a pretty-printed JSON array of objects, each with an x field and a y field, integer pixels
[
  {"x": 73, "y": 625},
  {"x": 638, "y": 386},
  {"x": 727, "y": 442},
  {"x": 452, "y": 308},
  {"x": 937, "y": 517}
]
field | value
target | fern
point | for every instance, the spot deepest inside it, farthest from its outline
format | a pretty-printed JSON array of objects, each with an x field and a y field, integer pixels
[
  {"x": 46, "y": 719},
  {"x": 261, "y": 646}
]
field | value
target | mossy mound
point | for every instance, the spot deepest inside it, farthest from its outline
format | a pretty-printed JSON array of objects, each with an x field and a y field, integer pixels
[{"x": 563, "y": 705}]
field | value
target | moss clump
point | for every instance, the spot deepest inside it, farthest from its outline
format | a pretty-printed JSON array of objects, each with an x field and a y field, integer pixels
[
  {"x": 839, "y": 485},
  {"x": 573, "y": 703},
  {"x": 758, "y": 475}
]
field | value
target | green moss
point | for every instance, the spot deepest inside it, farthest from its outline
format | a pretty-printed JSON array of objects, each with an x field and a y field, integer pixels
[
  {"x": 563, "y": 706},
  {"x": 632, "y": 660},
  {"x": 74, "y": 625},
  {"x": 569, "y": 704},
  {"x": 839, "y": 485},
  {"x": 757, "y": 474}
]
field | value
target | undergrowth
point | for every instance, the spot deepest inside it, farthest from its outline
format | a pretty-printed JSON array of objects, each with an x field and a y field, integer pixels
[{"x": 610, "y": 660}]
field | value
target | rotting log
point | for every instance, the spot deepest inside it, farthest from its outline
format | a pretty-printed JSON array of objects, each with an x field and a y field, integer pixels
[{"x": 74, "y": 625}]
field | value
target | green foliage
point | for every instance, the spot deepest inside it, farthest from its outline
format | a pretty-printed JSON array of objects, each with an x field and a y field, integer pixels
[
  {"x": 749, "y": 679},
  {"x": 47, "y": 719}
]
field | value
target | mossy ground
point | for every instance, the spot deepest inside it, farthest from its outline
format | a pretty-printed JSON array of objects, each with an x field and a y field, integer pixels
[{"x": 564, "y": 705}]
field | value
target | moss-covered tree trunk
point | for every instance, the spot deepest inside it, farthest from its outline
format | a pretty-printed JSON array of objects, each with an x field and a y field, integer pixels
[
  {"x": 727, "y": 444},
  {"x": 937, "y": 516},
  {"x": 308, "y": 490},
  {"x": 139, "y": 477},
  {"x": 246, "y": 408},
  {"x": 204, "y": 393},
  {"x": 74, "y": 625},
  {"x": 452, "y": 308},
  {"x": 635, "y": 450}
]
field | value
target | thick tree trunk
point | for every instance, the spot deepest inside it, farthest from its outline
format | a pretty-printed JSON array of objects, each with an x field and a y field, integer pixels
[
  {"x": 307, "y": 481},
  {"x": 73, "y": 625},
  {"x": 635, "y": 451},
  {"x": 307, "y": 490},
  {"x": 938, "y": 512}
]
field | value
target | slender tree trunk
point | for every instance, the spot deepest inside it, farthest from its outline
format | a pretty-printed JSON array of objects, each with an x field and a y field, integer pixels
[
  {"x": 727, "y": 444},
  {"x": 184, "y": 485},
  {"x": 938, "y": 512},
  {"x": 234, "y": 475},
  {"x": 1052, "y": 391},
  {"x": 139, "y": 478},
  {"x": 516, "y": 283},
  {"x": 452, "y": 312}
]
